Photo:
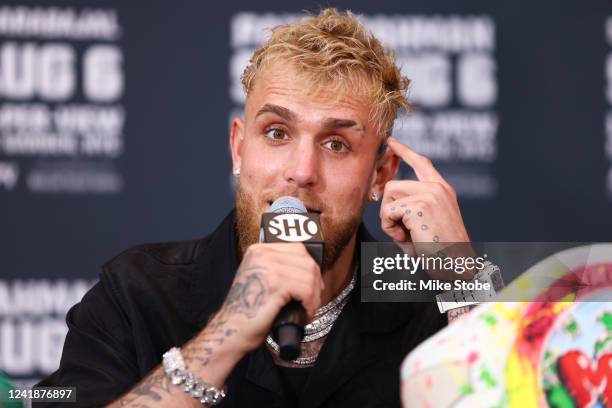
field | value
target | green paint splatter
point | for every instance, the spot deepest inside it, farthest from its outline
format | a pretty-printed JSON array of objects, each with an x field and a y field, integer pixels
[
  {"x": 572, "y": 328},
  {"x": 553, "y": 368},
  {"x": 558, "y": 397},
  {"x": 600, "y": 344},
  {"x": 466, "y": 389},
  {"x": 547, "y": 355},
  {"x": 489, "y": 319},
  {"x": 487, "y": 377},
  {"x": 606, "y": 320},
  {"x": 502, "y": 403}
]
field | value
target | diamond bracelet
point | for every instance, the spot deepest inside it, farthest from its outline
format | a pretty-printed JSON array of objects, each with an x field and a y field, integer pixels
[{"x": 177, "y": 372}]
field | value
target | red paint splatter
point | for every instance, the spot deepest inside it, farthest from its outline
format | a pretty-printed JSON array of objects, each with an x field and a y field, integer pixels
[{"x": 473, "y": 357}]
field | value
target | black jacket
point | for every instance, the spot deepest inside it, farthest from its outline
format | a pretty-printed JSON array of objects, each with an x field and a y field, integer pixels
[{"x": 153, "y": 297}]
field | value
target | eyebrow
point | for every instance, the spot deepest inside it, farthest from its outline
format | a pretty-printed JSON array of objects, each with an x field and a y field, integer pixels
[
  {"x": 335, "y": 123},
  {"x": 328, "y": 123},
  {"x": 278, "y": 110}
]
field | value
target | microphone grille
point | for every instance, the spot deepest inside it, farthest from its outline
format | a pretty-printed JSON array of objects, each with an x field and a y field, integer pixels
[{"x": 287, "y": 204}]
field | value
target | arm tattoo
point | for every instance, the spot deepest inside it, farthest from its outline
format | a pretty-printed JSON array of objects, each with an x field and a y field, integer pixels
[
  {"x": 202, "y": 347},
  {"x": 154, "y": 387},
  {"x": 247, "y": 294}
]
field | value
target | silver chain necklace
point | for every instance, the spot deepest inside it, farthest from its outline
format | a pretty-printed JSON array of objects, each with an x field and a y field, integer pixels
[{"x": 325, "y": 316}]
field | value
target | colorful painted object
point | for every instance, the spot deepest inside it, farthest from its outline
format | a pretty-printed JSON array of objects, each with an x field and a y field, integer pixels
[{"x": 552, "y": 348}]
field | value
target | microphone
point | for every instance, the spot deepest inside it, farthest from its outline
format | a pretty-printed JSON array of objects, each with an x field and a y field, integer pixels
[{"x": 287, "y": 220}]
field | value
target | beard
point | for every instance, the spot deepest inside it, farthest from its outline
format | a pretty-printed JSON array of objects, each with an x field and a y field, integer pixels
[{"x": 337, "y": 232}]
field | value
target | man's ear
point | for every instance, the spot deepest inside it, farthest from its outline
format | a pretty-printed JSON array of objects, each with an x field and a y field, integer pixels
[
  {"x": 385, "y": 170},
  {"x": 236, "y": 140}
]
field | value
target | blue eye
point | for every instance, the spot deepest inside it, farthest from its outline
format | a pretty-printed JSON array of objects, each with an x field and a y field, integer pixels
[
  {"x": 276, "y": 134},
  {"x": 336, "y": 146}
]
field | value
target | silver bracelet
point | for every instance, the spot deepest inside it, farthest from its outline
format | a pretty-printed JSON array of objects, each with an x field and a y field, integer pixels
[
  {"x": 453, "y": 299},
  {"x": 177, "y": 372}
]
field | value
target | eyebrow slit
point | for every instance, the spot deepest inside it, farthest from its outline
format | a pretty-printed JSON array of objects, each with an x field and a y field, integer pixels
[{"x": 336, "y": 123}]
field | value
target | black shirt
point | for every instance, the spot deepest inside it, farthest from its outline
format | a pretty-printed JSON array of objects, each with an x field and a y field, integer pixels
[
  {"x": 294, "y": 380},
  {"x": 153, "y": 297}
]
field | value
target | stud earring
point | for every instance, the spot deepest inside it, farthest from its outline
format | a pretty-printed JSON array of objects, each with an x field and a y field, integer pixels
[
  {"x": 236, "y": 171},
  {"x": 374, "y": 196}
]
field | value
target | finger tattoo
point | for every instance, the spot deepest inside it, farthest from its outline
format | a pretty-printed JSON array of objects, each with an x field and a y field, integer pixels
[
  {"x": 424, "y": 227},
  {"x": 420, "y": 213}
]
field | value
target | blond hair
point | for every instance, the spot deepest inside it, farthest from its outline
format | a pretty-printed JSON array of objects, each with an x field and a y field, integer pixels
[{"x": 338, "y": 55}]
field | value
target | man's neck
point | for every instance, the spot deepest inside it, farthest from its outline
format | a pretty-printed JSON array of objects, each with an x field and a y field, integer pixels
[{"x": 339, "y": 275}]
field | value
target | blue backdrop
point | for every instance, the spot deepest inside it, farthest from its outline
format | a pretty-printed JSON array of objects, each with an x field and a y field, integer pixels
[{"x": 114, "y": 130}]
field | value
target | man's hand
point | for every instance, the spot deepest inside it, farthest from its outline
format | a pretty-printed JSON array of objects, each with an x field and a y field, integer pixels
[
  {"x": 420, "y": 211},
  {"x": 269, "y": 276},
  {"x": 426, "y": 213}
]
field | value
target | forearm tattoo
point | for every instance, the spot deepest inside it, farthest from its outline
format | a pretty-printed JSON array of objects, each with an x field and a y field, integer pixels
[
  {"x": 245, "y": 297},
  {"x": 153, "y": 388},
  {"x": 247, "y": 294}
]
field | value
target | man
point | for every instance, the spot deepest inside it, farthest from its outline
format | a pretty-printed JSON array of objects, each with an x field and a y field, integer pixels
[{"x": 322, "y": 95}]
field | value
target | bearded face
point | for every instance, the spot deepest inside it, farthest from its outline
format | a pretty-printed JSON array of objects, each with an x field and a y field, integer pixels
[
  {"x": 296, "y": 143},
  {"x": 337, "y": 231}
]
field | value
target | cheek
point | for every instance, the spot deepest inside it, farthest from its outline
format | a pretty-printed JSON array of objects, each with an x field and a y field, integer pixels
[
  {"x": 351, "y": 183},
  {"x": 348, "y": 202},
  {"x": 258, "y": 167},
  {"x": 356, "y": 194}
]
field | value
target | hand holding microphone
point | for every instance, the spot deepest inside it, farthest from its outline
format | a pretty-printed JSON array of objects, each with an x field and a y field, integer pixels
[
  {"x": 278, "y": 283},
  {"x": 289, "y": 221}
]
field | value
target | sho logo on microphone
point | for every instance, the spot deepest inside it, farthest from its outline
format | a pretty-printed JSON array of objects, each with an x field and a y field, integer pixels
[{"x": 291, "y": 227}]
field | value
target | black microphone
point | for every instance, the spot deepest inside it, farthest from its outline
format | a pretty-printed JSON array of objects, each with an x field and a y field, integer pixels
[{"x": 289, "y": 221}]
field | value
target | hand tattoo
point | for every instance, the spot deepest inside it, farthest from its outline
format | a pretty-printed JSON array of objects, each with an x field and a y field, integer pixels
[{"x": 247, "y": 295}]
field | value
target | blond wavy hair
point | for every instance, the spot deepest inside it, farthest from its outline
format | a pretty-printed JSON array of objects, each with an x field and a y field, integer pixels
[{"x": 338, "y": 56}]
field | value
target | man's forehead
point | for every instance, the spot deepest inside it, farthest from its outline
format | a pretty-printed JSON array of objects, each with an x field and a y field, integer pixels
[{"x": 288, "y": 94}]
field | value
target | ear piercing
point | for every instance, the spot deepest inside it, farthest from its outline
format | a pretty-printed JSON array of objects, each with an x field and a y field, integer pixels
[
  {"x": 374, "y": 196},
  {"x": 237, "y": 171}
]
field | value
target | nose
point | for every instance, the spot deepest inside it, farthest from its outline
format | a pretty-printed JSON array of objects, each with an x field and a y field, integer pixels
[{"x": 302, "y": 168}]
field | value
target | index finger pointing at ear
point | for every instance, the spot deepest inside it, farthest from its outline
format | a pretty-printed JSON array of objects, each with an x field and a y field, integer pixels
[{"x": 422, "y": 166}]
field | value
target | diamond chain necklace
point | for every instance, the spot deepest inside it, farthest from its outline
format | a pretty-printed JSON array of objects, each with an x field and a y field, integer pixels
[{"x": 325, "y": 316}]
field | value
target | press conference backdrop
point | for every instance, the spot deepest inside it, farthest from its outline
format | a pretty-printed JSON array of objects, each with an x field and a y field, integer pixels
[{"x": 114, "y": 130}]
